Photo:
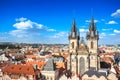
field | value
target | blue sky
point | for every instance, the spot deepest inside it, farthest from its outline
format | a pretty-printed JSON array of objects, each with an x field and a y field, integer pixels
[{"x": 49, "y": 21}]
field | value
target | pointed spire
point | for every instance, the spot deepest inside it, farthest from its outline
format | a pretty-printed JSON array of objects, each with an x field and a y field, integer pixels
[
  {"x": 92, "y": 25},
  {"x": 74, "y": 29},
  {"x": 74, "y": 26},
  {"x": 92, "y": 29}
]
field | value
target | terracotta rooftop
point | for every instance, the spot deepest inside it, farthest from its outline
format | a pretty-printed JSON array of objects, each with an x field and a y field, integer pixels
[
  {"x": 60, "y": 65},
  {"x": 19, "y": 69},
  {"x": 39, "y": 64},
  {"x": 30, "y": 56}
]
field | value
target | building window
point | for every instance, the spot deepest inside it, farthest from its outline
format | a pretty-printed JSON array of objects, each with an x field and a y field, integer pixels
[
  {"x": 92, "y": 45},
  {"x": 72, "y": 45},
  {"x": 82, "y": 65}
]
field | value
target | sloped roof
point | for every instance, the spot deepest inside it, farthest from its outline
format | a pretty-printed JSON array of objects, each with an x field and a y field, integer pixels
[
  {"x": 20, "y": 69},
  {"x": 90, "y": 73},
  {"x": 49, "y": 65}
]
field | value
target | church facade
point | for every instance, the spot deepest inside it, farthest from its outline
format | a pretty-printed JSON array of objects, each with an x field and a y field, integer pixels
[{"x": 83, "y": 57}]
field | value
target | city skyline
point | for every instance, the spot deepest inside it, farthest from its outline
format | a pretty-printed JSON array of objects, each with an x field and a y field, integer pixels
[{"x": 49, "y": 21}]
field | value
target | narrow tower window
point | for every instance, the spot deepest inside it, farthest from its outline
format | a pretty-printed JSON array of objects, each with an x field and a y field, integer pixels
[
  {"x": 72, "y": 45},
  {"x": 92, "y": 45}
]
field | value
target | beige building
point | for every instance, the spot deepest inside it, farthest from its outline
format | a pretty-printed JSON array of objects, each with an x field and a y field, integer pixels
[{"x": 83, "y": 57}]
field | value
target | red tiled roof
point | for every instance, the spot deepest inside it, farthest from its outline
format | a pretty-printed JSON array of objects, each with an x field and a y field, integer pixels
[
  {"x": 39, "y": 64},
  {"x": 60, "y": 65},
  {"x": 30, "y": 56},
  {"x": 20, "y": 69}
]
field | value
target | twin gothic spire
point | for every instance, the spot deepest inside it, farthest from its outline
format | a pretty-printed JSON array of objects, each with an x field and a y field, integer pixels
[{"x": 92, "y": 33}]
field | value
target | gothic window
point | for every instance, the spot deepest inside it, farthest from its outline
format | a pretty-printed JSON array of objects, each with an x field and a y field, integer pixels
[
  {"x": 92, "y": 44},
  {"x": 72, "y": 45},
  {"x": 82, "y": 65}
]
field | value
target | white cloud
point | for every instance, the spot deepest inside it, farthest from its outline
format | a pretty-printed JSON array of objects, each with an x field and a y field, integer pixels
[
  {"x": 21, "y": 19},
  {"x": 83, "y": 30},
  {"x": 18, "y": 33},
  {"x": 88, "y": 21},
  {"x": 60, "y": 34},
  {"x": 112, "y": 34},
  {"x": 39, "y": 26},
  {"x": 102, "y": 35},
  {"x": 116, "y": 14},
  {"x": 51, "y": 30},
  {"x": 106, "y": 29},
  {"x": 116, "y": 31},
  {"x": 112, "y": 22},
  {"x": 27, "y": 28},
  {"x": 23, "y": 25}
]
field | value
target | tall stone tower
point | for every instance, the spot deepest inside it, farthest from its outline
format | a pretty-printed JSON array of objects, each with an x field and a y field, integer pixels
[
  {"x": 73, "y": 38},
  {"x": 92, "y": 39},
  {"x": 73, "y": 46}
]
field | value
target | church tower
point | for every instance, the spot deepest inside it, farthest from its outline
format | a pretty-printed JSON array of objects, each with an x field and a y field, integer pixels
[
  {"x": 92, "y": 39},
  {"x": 73, "y": 46},
  {"x": 73, "y": 39}
]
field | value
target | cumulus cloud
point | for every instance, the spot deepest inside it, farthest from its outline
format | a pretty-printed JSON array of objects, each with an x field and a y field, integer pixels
[
  {"x": 112, "y": 22},
  {"x": 116, "y": 13},
  {"x": 25, "y": 27},
  {"x": 88, "y": 21},
  {"x": 83, "y": 30},
  {"x": 116, "y": 31}
]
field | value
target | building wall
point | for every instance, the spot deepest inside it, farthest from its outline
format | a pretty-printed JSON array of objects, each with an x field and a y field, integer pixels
[
  {"x": 77, "y": 64},
  {"x": 71, "y": 49},
  {"x": 50, "y": 75},
  {"x": 95, "y": 46}
]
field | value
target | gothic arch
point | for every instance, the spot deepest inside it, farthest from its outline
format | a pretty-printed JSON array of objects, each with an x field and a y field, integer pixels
[{"x": 82, "y": 65}]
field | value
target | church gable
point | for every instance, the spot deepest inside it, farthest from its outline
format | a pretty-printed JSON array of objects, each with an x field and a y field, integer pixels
[{"x": 83, "y": 49}]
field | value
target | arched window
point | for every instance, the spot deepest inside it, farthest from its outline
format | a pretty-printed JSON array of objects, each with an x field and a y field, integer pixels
[
  {"x": 92, "y": 45},
  {"x": 82, "y": 65},
  {"x": 72, "y": 45}
]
